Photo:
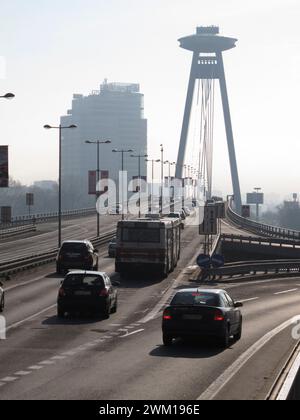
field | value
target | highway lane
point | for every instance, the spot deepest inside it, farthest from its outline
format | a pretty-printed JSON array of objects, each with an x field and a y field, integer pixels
[
  {"x": 46, "y": 237},
  {"x": 30, "y": 296},
  {"x": 123, "y": 357}
]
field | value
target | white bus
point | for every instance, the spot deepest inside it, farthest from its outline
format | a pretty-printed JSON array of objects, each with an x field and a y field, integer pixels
[{"x": 148, "y": 245}]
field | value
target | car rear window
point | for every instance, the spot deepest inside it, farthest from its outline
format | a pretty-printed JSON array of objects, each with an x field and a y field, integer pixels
[
  {"x": 196, "y": 298},
  {"x": 75, "y": 280},
  {"x": 74, "y": 248}
]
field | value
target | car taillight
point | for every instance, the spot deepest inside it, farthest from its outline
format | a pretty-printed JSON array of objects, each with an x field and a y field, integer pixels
[
  {"x": 103, "y": 293},
  {"x": 62, "y": 292},
  {"x": 219, "y": 316},
  {"x": 167, "y": 316}
]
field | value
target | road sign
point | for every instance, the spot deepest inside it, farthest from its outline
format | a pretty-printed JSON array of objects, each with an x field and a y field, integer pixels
[
  {"x": 209, "y": 225},
  {"x": 6, "y": 214},
  {"x": 29, "y": 199},
  {"x": 255, "y": 198},
  {"x": 217, "y": 260},
  {"x": 203, "y": 261},
  {"x": 220, "y": 209},
  {"x": 4, "y": 175},
  {"x": 246, "y": 211}
]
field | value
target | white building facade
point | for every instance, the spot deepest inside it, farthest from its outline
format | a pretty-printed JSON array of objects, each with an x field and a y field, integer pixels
[{"x": 115, "y": 113}]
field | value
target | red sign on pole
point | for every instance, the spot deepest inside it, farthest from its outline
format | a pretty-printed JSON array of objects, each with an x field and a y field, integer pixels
[
  {"x": 93, "y": 181},
  {"x": 4, "y": 174}
]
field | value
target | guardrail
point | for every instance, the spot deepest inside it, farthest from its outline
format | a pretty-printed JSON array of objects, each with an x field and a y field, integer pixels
[
  {"x": 260, "y": 240},
  {"x": 260, "y": 228},
  {"x": 254, "y": 267},
  {"x": 8, "y": 233},
  {"x": 13, "y": 266},
  {"x": 46, "y": 217}
]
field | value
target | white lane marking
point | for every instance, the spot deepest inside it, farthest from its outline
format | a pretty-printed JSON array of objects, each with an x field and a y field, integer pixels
[
  {"x": 214, "y": 389},
  {"x": 23, "y": 373},
  {"x": 36, "y": 367},
  {"x": 286, "y": 291},
  {"x": 132, "y": 333},
  {"x": 289, "y": 381},
  {"x": 9, "y": 379},
  {"x": 58, "y": 357},
  {"x": 69, "y": 353},
  {"x": 47, "y": 362},
  {"x": 17, "y": 324},
  {"x": 247, "y": 300}
]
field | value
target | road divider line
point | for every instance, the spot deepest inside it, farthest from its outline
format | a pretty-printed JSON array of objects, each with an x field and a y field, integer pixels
[
  {"x": 132, "y": 333},
  {"x": 214, "y": 389},
  {"x": 286, "y": 291},
  {"x": 248, "y": 300}
]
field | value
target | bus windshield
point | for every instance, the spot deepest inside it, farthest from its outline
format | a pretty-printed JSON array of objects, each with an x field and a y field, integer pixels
[{"x": 141, "y": 235}]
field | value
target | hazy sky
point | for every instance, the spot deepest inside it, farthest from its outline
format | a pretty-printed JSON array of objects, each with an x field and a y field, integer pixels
[{"x": 53, "y": 49}]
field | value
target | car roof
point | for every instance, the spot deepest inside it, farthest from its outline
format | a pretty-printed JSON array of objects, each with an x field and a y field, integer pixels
[
  {"x": 86, "y": 272},
  {"x": 199, "y": 290},
  {"x": 84, "y": 241}
]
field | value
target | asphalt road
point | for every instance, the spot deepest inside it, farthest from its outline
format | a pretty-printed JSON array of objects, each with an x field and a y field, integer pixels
[{"x": 123, "y": 357}]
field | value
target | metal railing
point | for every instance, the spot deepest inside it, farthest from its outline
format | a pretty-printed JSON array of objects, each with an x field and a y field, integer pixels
[
  {"x": 45, "y": 217},
  {"x": 260, "y": 240},
  {"x": 260, "y": 228},
  {"x": 256, "y": 267}
]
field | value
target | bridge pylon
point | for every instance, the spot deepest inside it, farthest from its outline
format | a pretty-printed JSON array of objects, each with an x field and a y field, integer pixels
[{"x": 207, "y": 47}]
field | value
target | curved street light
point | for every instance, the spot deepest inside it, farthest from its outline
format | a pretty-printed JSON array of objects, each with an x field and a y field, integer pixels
[
  {"x": 122, "y": 151},
  {"x": 60, "y": 128},
  {"x": 98, "y": 142},
  {"x": 8, "y": 96}
]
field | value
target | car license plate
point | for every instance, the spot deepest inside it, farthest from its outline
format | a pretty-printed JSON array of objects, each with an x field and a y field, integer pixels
[
  {"x": 82, "y": 293},
  {"x": 193, "y": 317}
]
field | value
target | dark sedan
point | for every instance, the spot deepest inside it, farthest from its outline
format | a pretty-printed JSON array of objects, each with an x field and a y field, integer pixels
[
  {"x": 87, "y": 291},
  {"x": 2, "y": 301},
  {"x": 202, "y": 313},
  {"x": 76, "y": 255}
]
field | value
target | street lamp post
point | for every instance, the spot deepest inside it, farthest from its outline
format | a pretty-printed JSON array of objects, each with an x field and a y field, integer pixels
[
  {"x": 171, "y": 196},
  {"x": 152, "y": 179},
  {"x": 98, "y": 142},
  {"x": 139, "y": 180},
  {"x": 122, "y": 153},
  {"x": 162, "y": 179},
  {"x": 60, "y": 128},
  {"x": 257, "y": 189}
]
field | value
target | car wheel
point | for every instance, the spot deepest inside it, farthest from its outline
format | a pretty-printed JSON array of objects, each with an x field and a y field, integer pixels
[
  {"x": 167, "y": 340},
  {"x": 2, "y": 304},
  {"x": 224, "y": 341},
  {"x": 60, "y": 313},
  {"x": 106, "y": 312},
  {"x": 238, "y": 335},
  {"x": 115, "y": 307}
]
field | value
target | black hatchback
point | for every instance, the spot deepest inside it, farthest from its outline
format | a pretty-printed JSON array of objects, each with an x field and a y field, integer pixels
[
  {"x": 76, "y": 255},
  {"x": 202, "y": 313},
  {"x": 87, "y": 291}
]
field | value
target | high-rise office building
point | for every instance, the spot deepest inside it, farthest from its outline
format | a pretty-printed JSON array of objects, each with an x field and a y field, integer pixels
[{"x": 115, "y": 113}]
